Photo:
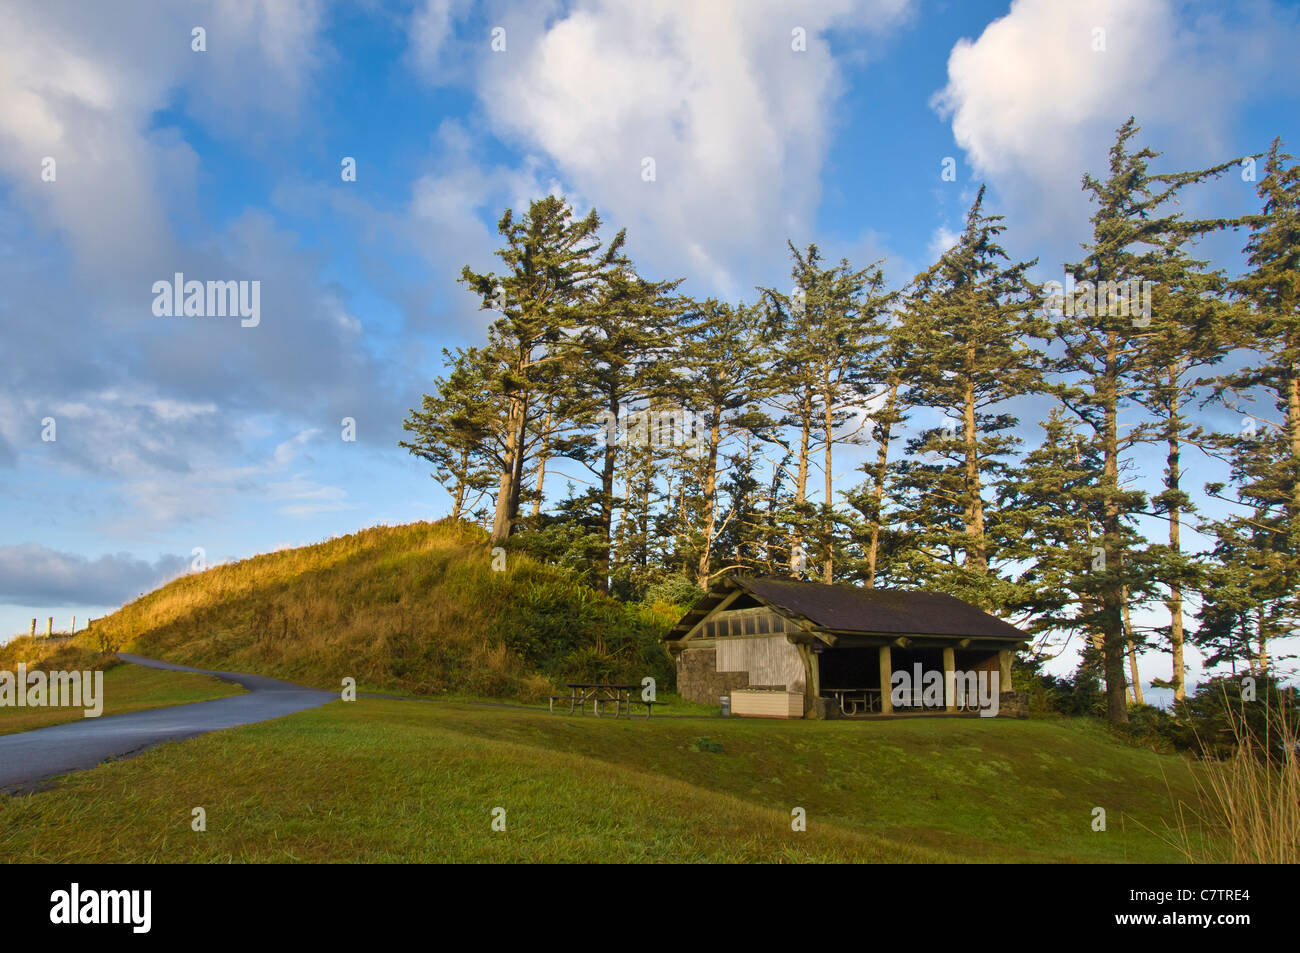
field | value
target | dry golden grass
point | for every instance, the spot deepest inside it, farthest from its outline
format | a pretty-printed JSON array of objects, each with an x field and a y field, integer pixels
[
  {"x": 59, "y": 654},
  {"x": 1249, "y": 802},
  {"x": 414, "y": 608}
]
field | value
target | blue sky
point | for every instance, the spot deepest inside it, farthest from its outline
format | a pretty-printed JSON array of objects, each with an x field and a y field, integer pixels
[{"x": 224, "y": 164}]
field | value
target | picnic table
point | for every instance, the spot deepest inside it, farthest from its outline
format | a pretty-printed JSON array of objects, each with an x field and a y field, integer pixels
[
  {"x": 580, "y": 693},
  {"x": 857, "y": 701}
]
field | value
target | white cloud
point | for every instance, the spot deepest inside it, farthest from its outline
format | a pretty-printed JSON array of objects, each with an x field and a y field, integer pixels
[
  {"x": 81, "y": 84},
  {"x": 1033, "y": 104},
  {"x": 941, "y": 240},
  {"x": 735, "y": 120}
]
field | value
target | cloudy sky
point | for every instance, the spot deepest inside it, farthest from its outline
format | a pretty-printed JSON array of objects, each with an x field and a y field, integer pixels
[{"x": 127, "y": 156}]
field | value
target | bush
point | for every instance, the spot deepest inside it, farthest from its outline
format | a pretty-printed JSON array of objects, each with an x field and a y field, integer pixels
[
  {"x": 674, "y": 591},
  {"x": 1215, "y": 720}
]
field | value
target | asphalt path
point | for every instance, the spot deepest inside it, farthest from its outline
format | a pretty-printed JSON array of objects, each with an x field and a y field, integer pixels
[{"x": 30, "y": 758}]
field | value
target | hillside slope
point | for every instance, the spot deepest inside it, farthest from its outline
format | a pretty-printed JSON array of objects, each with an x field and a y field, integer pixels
[{"x": 414, "y": 608}]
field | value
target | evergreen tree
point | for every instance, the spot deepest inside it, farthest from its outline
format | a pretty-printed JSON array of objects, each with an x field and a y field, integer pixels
[
  {"x": 721, "y": 350},
  {"x": 1053, "y": 512},
  {"x": 972, "y": 315},
  {"x": 454, "y": 429},
  {"x": 554, "y": 264},
  {"x": 1131, "y": 229},
  {"x": 624, "y": 336},
  {"x": 1185, "y": 334},
  {"x": 824, "y": 334},
  {"x": 1249, "y": 594}
]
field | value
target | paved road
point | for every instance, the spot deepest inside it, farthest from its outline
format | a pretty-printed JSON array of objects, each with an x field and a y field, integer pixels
[{"x": 30, "y": 757}]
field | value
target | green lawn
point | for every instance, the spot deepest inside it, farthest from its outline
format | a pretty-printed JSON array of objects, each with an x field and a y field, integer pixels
[
  {"x": 382, "y": 780},
  {"x": 126, "y": 688}
]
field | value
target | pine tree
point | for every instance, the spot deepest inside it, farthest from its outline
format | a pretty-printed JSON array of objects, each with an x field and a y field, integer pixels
[
  {"x": 721, "y": 351},
  {"x": 625, "y": 335},
  {"x": 454, "y": 429},
  {"x": 1271, "y": 327},
  {"x": 1183, "y": 336},
  {"x": 1131, "y": 228},
  {"x": 887, "y": 409},
  {"x": 972, "y": 315},
  {"x": 824, "y": 334},
  {"x": 554, "y": 265},
  {"x": 1053, "y": 510},
  {"x": 1249, "y": 594}
]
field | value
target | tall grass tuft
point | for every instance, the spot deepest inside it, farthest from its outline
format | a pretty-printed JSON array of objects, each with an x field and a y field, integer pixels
[{"x": 1249, "y": 809}]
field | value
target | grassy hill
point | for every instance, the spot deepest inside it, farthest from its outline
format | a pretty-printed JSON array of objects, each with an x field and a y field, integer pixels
[{"x": 416, "y": 608}]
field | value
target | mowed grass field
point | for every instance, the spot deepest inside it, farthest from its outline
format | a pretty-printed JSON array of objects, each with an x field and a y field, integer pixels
[{"x": 388, "y": 781}]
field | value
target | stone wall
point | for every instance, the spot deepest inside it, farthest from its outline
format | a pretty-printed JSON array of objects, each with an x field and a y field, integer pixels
[
  {"x": 1013, "y": 705},
  {"x": 699, "y": 680}
]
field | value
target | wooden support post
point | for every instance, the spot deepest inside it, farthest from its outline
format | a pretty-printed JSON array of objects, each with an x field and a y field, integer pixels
[
  {"x": 886, "y": 680},
  {"x": 33, "y": 628},
  {"x": 813, "y": 689},
  {"x": 49, "y": 627},
  {"x": 1004, "y": 673},
  {"x": 74, "y": 625},
  {"x": 949, "y": 678},
  {"x": 812, "y": 677}
]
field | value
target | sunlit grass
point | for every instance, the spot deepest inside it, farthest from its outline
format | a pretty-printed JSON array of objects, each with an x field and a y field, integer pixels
[
  {"x": 414, "y": 609},
  {"x": 1249, "y": 801},
  {"x": 380, "y": 780}
]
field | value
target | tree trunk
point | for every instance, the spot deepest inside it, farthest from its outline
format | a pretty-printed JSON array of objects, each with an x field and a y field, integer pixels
[
  {"x": 800, "y": 492},
  {"x": 828, "y": 530},
  {"x": 1135, "y": 679},
  {"x": 503, "y": 518},
  {"x": 458, "y": 501},
  {"x": 1261, "y": 659},
  {"x": 1293, "y": 422},
  {"x": 607, "y": 502},
  {"x": 543, "y": 456},
  {"x": 710, "y": 485},
  {"x": 882, "y": 470},
  {"x": 1174, "y": 603},
  {"x": 1113, "y": 641},
  {"x": 977, "y": 552}
]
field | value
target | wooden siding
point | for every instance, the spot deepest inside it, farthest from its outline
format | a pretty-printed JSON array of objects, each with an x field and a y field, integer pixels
[
  {"x": 769, "y": 660},
  {"x": 754, "y": 704}
]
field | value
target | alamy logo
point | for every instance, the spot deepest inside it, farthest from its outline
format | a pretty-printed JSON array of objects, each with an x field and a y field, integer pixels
[
  {"x": 73, "y": 906},
  {"x": 26, "y": 689},
  {"x": 927, "y": 689},
  {"x": 1127, "y": 298},
  {"x": 212, "y": 299},
  {"x": 658, "y": 429}
]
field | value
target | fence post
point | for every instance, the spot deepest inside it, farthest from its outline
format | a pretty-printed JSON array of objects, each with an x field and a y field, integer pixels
[
  {"x": 33, "y": 628},
  {"x": 49, "y": 627},
  {"x": 74, "y": 626}
]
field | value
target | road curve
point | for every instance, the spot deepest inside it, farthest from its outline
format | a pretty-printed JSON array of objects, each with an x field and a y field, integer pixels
[{"x": 29, "y": 758}]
